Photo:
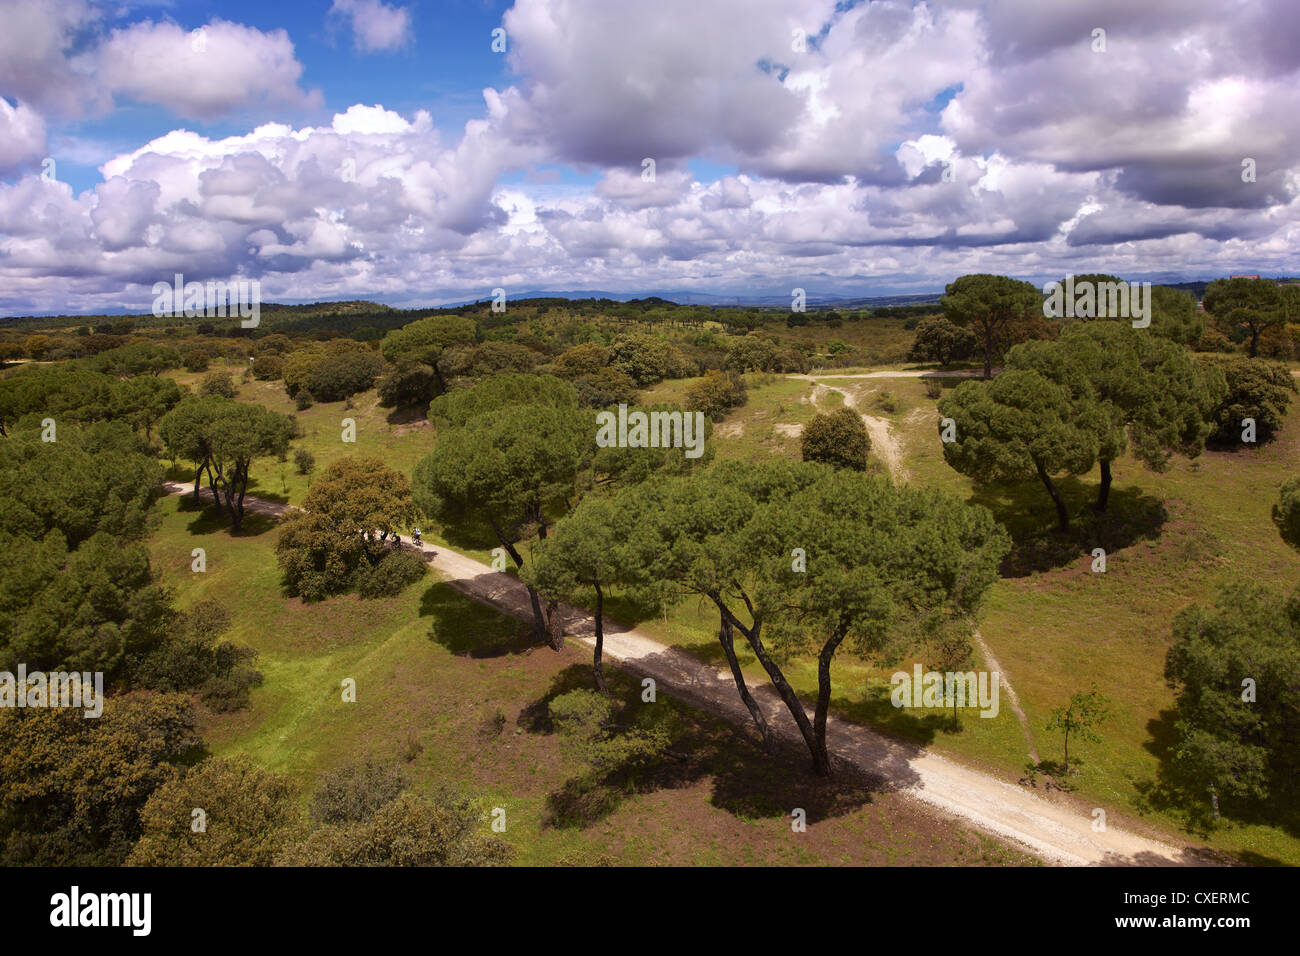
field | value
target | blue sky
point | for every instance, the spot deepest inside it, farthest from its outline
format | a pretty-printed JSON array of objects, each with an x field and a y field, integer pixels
[{"x": 381, "y": 149}]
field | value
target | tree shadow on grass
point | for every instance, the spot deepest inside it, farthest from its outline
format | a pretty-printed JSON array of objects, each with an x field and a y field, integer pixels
[
  {"x": 208, "y": 520},
  {"x": 407, "y": 414},
  {"x": 745, "y": 782},
  {"x": 876, "y": 710},
  {"x": 1167, "y": 792},
  {"x": 1037, "y": 544},
  {"x": 470, "y": 629}
]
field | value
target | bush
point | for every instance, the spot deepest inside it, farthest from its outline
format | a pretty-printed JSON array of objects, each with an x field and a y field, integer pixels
[
  {"x": 605, "y": 387},
  {"x": 303, "y": 400},
  {"x": 715, "y": 393},
  {"x": 408, "y": 384},
  {"x": 392, "y": 575},
  {"x": 939, "y": 340},
  {"x": 304, "y": 461},
  {"x": 933, "y": 387},
  {"x": 195, "y": 359},
  {"x": 1256, "y": 389},
  {"x": 268, "y": 367},
  {"x": 1286, "y": 513},
  {"x": 1212, "y": 340},
  {"x": 355, "y": 792},
  {"x": 837, "y": 438},
  {"x": 217, "y": 383}
]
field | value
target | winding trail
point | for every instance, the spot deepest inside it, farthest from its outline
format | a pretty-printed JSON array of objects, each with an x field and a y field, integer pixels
[
  {"x": 883, "y": 442},
  {"x": 1057, "y": 828}
]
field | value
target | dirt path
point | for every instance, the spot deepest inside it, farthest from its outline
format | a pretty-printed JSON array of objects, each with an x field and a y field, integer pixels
[
  {"x": 883, "y": 442},
  {"x": 1058, "y": 829}
]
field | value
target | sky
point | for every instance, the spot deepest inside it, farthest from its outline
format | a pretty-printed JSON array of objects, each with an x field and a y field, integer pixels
[{"x": 430, "y": 151}]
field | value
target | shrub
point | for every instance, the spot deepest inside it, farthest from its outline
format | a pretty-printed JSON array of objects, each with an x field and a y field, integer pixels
[
  {"x": 355, "y": 792},
  {"x": 393, "y": 574},
  {"x": 1212, "y": 340},
  {"x": 1286, "y": 513},
  {"x": 933, "y": 387},
  {"x": 837, "y": 438},
  {"x": 303, "y": 400},
  {"x": 304, "y": 461},
  {"x": 268, "y": 367},
  {"x": 217, "y": 383},
  {"x": 1256, "y": 389},
  {"x": 715, "y": 393},
  {"x": 195, "y": 359}
]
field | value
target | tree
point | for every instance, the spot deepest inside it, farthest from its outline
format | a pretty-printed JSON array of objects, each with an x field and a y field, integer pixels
[
  {"x": 344, "y": 529},
  {"x": 1145, "y": 387},
  {"x": 647, "y": 359},
  {"x": 1255, "y": 304},
  {"x": 751, "y": 354},
  {"x": 408, "y": 383},
  {"x": 137, "y": 359},
  {"x": 1286, "y": 513},
  {"x": 499, "y": 476},
  {"x": 939, "y": 340},
  {"x": 716, "y": 393},
  {"x": 988, "y": 305},
  {"x": 877, "y": 563},
  {"x": 239, "y": 435},
  {"x": 1255, "y": 389},
  {"x": 1018, "y": 426},
  {"x": 187, "y": 432},
  {"x": 885, "y": 565},
  {"x": 71, "y": 789},
  {"x": 1084, "y": 713},
  {"x": 268, "y": 367},
  {"x": 1174, "y": 315},
  {"x": 584, "y": 553},
  {"x": 98, "y": 608},
  {"x": 1233, "y": 669},
  {"x": 585, "y": 359},
  {"x": 424, "y": 341},
  {"x": 837, "y": 438},
  {"x": 249, "y": 815},
  {"x": 100, "y": 478},
  {"x": 463, "y": 406}
]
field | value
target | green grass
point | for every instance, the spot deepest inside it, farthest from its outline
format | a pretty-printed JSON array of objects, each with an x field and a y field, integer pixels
[
  {"x": 1054, "y": 625},
  {"x": 452, "y": 692}
]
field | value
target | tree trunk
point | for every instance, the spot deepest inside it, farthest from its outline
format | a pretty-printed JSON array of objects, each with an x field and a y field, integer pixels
[
  {"x": 821, "y": 759},
  {"x": 791, "y": 700},
  {"x": 600, "y": 642},
  {"x": 539, "y": 620},
  {"x": 727, "y": 639},
  {"x": 1062, "y": 515},
  {"x": 1103, "y": 493},
  {"x": 213, "y": 477},
  {"x": 198, "y": 480},
  {"x": 1254, "y": 341}
]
